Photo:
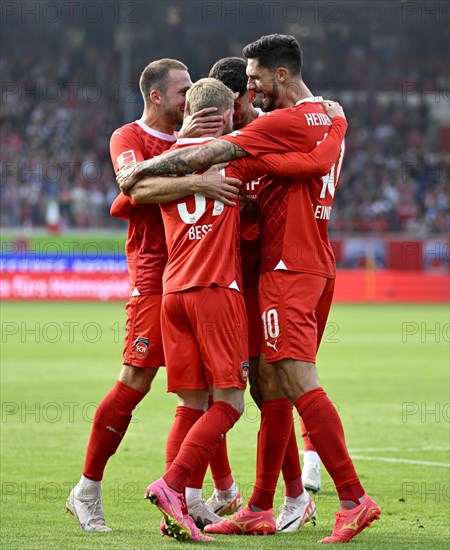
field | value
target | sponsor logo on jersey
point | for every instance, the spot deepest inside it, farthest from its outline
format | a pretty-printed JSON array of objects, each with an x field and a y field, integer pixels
[
  {"x": 125, "y": 158},
  {"x": 245, "y": 367},
  {"x": 273, "y": 346},
  {"x": 141, "y": 346}
]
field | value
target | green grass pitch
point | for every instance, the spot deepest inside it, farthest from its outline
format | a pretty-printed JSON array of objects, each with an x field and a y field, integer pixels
[{"x": 385, "y": 368}]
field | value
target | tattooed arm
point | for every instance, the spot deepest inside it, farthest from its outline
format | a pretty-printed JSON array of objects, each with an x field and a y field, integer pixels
[{"x": 181, "y": 161}]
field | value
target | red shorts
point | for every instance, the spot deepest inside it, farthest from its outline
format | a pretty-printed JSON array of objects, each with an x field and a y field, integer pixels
[
  {"x": 295, "y": 309},
  {"x": 254, "y": 321},
  {"x": 143, "y": 342},
  {"x": 205, "y": 338}
]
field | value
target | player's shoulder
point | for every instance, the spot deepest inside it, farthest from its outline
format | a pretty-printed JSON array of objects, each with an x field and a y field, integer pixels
[
  {"x": 314, "y": 104},
  {"x": 131, "y": 128},
  {"x": 271, "y": 117}
]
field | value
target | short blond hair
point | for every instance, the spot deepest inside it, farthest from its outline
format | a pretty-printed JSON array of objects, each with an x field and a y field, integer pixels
[{"x": 209, "y": 92}]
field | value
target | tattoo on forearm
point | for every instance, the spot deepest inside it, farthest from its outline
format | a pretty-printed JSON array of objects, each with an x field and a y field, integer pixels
[{"x": 192, "y": 159}]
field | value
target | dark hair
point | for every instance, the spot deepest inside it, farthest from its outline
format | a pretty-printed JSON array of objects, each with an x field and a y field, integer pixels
[
  {"x": 276, "y": 50},
  {"x": 155, "y": 75},
  {"x": 231, "y": 71}
]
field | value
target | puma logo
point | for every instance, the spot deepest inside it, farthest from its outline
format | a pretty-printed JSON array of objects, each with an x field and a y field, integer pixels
[
  {"x": 120, "y": 434},
  {"x": 274, "y": 345}
]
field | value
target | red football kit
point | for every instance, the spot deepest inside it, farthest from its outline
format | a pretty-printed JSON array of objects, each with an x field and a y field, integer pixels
[
  {"x": 145, "y": 247},
  {"x": 296, "y": 288},
  {"x": 294, "y": 216},
  {"x": 202, "y": 305},
  {"x": 251, "y": 256},
  {"x": 203, "y": 245}
]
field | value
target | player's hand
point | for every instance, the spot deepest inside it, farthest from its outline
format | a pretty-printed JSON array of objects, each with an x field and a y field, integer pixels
[
  {"x": 128, "y": 176},
  {"x": 333, "y": 108},
  {"x": 218, "y": 187},
  {"x": 199, "y": 124}
]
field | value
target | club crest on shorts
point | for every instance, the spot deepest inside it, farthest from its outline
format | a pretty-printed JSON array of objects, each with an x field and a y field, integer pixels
[
  {"x": 141, "y": 346},
  {"x": 244, "y": 373}
]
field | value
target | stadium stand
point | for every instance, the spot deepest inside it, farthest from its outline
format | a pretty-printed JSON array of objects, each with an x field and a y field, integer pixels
[{"x": 57, "y": 112}]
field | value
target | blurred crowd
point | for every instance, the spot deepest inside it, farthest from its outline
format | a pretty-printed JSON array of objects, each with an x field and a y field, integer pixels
[
  {"x": 392, "y": 182},
  {"x": 63, "y": 95}
]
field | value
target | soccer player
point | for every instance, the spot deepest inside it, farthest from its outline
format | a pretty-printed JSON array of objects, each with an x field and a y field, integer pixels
[
  {"x": 232, "y": 72},
  {"x": 203, "y": 268},
  {"x": 163, "y": 85},
  {"x": 296, "y": 283}
]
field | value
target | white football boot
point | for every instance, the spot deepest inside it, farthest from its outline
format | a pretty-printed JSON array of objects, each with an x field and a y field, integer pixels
[
  {"x": 295, "y": 512},
  {"x": 225, "y": 503},
  {"x": 85, "y": 503},
  {"x": 202, "y": 514}
]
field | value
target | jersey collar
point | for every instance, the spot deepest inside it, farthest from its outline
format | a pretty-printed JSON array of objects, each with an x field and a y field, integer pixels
[
  {"x": 189, "y": 141},
  {"x": 311, "y": 99},
  {"x": 155, "y": 133}
]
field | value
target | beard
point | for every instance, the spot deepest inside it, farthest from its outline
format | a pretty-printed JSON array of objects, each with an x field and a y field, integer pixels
[
  {"x": 174, "y": 114},
  {"x": 269, "y": 101}
]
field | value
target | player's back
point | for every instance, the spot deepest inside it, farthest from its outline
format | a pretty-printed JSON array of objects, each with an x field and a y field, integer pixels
[
  {"x": 145, "y": 247},
  {"x": 294, "y": 214},
  {"x": 202, "y": 238}
]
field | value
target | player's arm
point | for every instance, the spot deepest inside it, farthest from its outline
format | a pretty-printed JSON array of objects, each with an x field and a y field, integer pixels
[
  {"x": 122, "y": 207},
  {"x": 125, "y": 147},
  {"x": 212, "y": 184},
  {"x": 318, "y": 162},
  {"x": 182, "y": 161}
]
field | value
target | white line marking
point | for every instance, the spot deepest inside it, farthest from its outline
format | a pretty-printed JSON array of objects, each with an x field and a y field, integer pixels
[
  {"x": 409, "y": 449},
  {"x": 401, "y": 461},
  {"x": 398, "y": 460},
  {"x": 395, "y": 449}
]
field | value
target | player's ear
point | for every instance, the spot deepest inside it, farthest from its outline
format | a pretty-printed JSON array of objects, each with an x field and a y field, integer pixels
[
  {"x": 227, "y": 113},
  {"x": 187, "y": 110},
  {"x": 282, "y": 74},
  {"x": 155, "y": 97},
  {"x": 228, "y": 116}
]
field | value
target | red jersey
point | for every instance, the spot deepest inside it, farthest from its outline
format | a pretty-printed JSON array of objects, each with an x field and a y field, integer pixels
[
  {"x": 145, "y": 248},
  {"x": 203, "y": 235},
  {"x": 250, "y": 236},
  {"x": 294, "y": 212}
]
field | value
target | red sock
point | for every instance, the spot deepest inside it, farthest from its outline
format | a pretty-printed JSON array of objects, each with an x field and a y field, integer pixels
[
  {"x": 220, "y": 470},
  {"x": 274, "y": 433},
  {"x": 219, "y": 464},
  {"x": 185, "y": 418},
  {"x": 220, "y": 467},
  {"x": 327, "y": 435},
  {"x": 292, "y": 472},
  {"x": 200, "y": 443},
  {"x": 307, "y": 445},
  {"x": 111, "y": 421},
  {"x": 197, "y": 477}
]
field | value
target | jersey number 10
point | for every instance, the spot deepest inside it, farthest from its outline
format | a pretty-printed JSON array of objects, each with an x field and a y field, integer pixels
[{"x": 329, "y": 181}]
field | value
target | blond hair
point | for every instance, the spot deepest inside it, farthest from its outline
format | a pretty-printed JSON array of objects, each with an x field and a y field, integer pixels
[{"x": 209, "y": 92}]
